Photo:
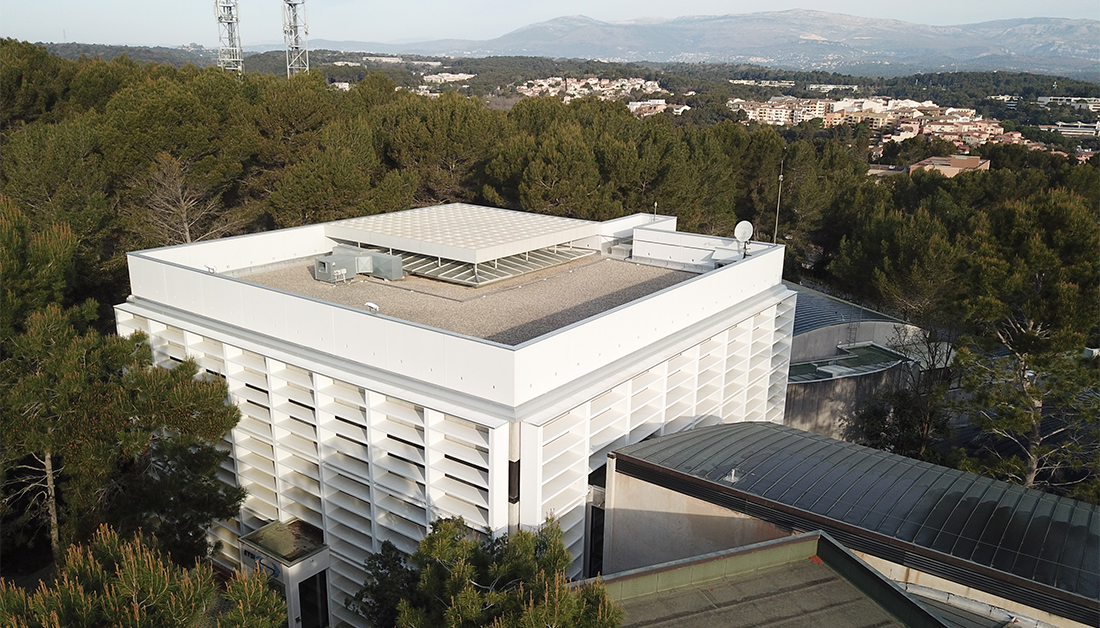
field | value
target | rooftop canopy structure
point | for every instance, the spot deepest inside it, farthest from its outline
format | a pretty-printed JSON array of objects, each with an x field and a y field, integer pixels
[{"x": 456, "y": 242}]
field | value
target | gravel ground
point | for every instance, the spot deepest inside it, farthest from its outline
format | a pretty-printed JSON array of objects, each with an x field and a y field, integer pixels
[{"x": 510, "y": 312}]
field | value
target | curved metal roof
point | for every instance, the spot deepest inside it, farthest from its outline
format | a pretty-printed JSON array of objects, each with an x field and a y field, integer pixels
[
  {"x": 1027, "y": 533},
  {"x": 815, "y": 310}
]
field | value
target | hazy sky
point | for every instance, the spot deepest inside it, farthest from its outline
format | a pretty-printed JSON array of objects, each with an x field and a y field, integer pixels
[{"x": 176, "y": 22}]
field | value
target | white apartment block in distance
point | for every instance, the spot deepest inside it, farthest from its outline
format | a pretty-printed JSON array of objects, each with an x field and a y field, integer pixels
[{"x": 489, "y": 382}]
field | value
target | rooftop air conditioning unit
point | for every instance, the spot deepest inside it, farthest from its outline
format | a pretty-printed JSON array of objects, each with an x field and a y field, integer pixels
[{"x": 347, "y": 261}]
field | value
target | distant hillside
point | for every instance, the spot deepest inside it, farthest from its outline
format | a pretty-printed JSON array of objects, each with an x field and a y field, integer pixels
[
  {"x": 797, "y": 39},
  {"x": 197, "y": 55}
]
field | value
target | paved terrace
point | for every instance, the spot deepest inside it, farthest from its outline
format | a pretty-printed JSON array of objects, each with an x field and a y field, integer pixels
[{"x": 510, "y": 312}]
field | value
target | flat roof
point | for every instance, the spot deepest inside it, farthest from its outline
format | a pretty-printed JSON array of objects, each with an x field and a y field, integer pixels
[
  {"x": 288, "y": 541},
  {"x": 796, "y": 594},
  {"x": 511, "y": 311},
  {"x": 462, "y": 232},
  {"x": 804, "y": 580},
  {"x": 853, "y": 360},
  {"x": 908, "y": 511}
]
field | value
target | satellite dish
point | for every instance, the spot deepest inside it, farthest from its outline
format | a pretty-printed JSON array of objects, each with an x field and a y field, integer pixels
[{"x": 743, "y": 231}]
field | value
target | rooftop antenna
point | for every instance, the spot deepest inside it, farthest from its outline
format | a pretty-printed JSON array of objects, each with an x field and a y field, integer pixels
[
  {"x": 779, "y": 197},
  {"x": 654, "y": 210},
  {"x": 294, "y": 32},
  {"x": 230, "y": 56}
]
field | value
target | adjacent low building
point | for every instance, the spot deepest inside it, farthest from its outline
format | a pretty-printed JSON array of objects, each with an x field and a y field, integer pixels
[
  {"x": 931, "y": 528},
  {"x": 802, "y": 580},
  {"x": 489, "y": 382},
  {"x": 842, "y": 355}
]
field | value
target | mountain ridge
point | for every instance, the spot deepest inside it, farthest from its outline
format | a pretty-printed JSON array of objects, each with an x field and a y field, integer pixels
[{"x": 796, "y": 39}]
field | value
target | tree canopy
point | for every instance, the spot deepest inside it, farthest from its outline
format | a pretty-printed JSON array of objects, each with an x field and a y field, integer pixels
[
  {"x": 85, "y": 415},
  {"x": 101, "y": 157},
  {"x": 459, "y": 578},
  {"x": 114, "y": 581}
]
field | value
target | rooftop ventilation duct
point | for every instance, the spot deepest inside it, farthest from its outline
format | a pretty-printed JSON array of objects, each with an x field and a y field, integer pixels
[{"x": 347, "y": 261}]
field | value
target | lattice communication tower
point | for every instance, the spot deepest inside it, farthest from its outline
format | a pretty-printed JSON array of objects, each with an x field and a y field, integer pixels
[
  {"x": 230, "y": 55},
  {"x": 295, "y": 31}
]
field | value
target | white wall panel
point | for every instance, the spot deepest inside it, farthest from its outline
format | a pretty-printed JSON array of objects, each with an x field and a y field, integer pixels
[
  {"x": 182, "y": 286},
  {"x": 146, "y": 278},
  {"x": 222, "y": 300},
  {"x": 309, "y": 323},
  {"x": 414, "y": 351},
  {"x": 558, "y": 358},
  {"x": 230, "y": 254},
  {"x": 265, "y": 312},
  {"x": 479, "y": 368}
]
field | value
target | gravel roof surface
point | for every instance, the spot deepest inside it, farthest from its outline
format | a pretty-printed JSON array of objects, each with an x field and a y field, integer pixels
[{"x": 510, "y": 312}]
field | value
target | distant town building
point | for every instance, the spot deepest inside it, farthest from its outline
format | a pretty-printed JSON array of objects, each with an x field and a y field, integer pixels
[
  {"x": 1092, "y": 104},
  {"x": 951, "y": 166},
  {"x": 1073, "y": 129},
  {"x": 447, "y": 77},
  {"x": 783, "y": 110},
  {"x": 896, "y": 119},
  {"x": 602, "y": 88},
  {"x": 823, "y": 87},
  {"x": 762, "y": 83},
  {"x": 647, "y": 107}
]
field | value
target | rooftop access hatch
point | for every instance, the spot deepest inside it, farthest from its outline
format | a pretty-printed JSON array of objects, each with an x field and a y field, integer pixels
[{"x": 469, "y": 244}]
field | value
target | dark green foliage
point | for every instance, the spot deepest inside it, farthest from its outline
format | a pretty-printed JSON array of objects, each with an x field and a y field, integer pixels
[
  {"x": 145, "y": 54},
  {"x": 1041, "y": 417},
  {"x": 910, "y": 151},
  {"x": 117, "y": 582},
  {"x": 36, "y": 265},
  {"x": 171, "y": 490},
  {"x": 389, "y": 580},
  {"x": 901, "y": 421},
  {"x": 81, "y": 408},
  {"x": 32, "y": 82},
  {"x": 459, "y": 579},
  {"x": 101, "y": 156}
]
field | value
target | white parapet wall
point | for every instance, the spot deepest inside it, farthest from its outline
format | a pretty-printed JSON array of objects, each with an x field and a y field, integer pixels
[{"x": 177, "y": 277}]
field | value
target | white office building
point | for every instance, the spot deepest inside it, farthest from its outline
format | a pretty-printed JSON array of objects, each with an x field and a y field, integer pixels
[{"x": 489, "y": 382}]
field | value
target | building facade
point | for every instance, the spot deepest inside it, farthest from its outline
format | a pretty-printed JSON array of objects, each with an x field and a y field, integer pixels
[{"x": 489, "y": 383}]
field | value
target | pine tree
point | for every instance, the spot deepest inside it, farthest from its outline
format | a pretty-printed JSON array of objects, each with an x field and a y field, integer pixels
[
  {"x": 459, "y": 578},
  {"x": 118, "y": 582},
  {"x": 79, "y": 408},
  {"x": 1034, "y": 295}
]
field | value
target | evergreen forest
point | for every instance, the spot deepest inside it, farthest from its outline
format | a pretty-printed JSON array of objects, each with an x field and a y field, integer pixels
[{"x": 104, "y": 157}]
